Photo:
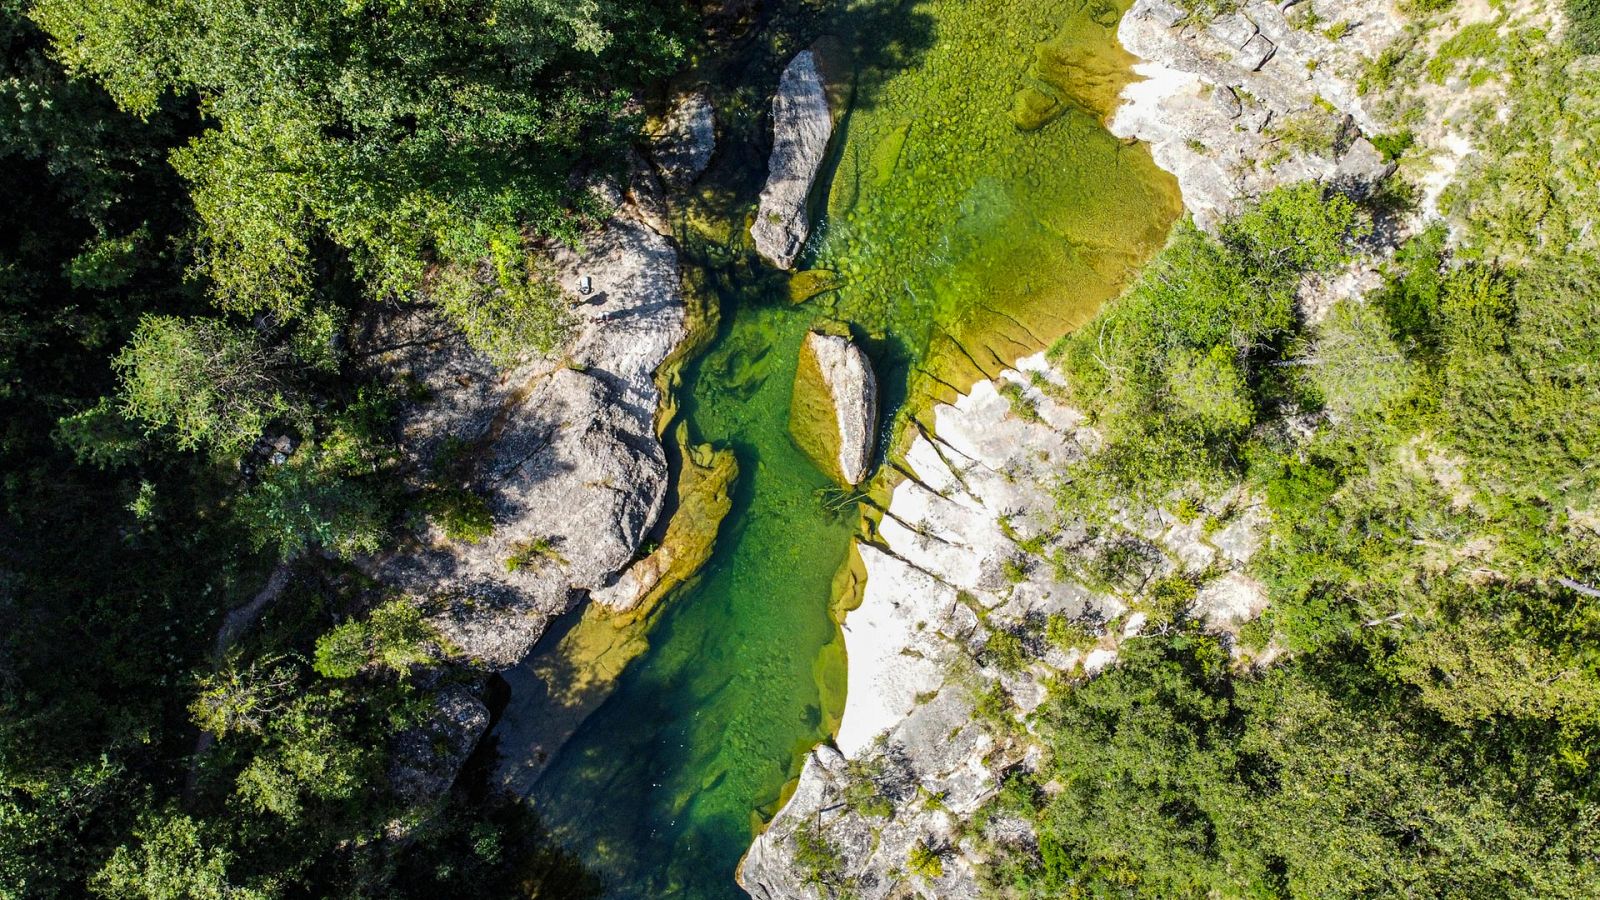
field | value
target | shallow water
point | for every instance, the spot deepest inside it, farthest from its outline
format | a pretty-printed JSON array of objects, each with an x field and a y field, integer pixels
[{"x": 966, "y": 242}]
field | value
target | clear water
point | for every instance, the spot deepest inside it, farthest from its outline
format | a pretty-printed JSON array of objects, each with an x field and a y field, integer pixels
[{"x": 966, "y": 242}]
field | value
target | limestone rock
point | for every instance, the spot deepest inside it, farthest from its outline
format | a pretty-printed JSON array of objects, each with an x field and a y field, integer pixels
[
  {"x": 1233, "y": 29},
  {"x": 686, "y": 140},
  {"x": 834, "y": 413},
  {"x": 1164, "y": 12},
  {"x": 957, "y": 558},
  {"x": 702, "y": 503},
  {"x": 801, "y": 128},
  {"x": 562, "y": 450},
  {"x": 1213, "y": 93}
]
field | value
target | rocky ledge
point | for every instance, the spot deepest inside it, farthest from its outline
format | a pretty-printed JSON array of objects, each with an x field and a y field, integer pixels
[
  {"x": 834, "y": 413},
  {"x": 1247, "y": 101},
  {"x": 801, "y": 128},
  {"x": 562, "y": 451},
  {"x": 961, "y": 569}
]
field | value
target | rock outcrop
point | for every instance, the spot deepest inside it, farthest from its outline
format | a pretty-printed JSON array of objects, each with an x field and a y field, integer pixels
[
  {"x": 685, "y": 140},
  {"x": 563, "y": 452},
  {"x": 1224, "y": 100},
  {"x": 801, "y": 128},
  {"x": 964, "y": 553},
  {"x": 426, "y": 758},
  {"x": 703, "y": 501},
  {"x": 834, "y": 412}
]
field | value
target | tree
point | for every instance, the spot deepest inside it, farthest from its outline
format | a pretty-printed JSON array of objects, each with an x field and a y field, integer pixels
[
  {"x": 394, "y": 636},
  {"x": 171, "y": 861},
  {"x": 214, "y": 386},
  {"x": 415, "y": 138}
]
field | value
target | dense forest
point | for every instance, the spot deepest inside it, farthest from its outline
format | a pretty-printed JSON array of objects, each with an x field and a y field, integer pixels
[
  {"x": 1418, "y": 712},
  {"x": 202, "y": 198}
]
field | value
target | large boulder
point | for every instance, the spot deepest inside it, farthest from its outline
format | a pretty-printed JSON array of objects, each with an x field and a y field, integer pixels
[
  {"x": 685, "y": 140},
  {"x": 834, "y": 413},
  {"x": 427, "y": 757},
  {"x": 561, "y": 451},
  {"x": 801, "y": 128}
]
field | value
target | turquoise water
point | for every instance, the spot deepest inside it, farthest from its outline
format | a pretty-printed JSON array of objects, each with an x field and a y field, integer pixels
[
  {"x": 658, "y": 787},
  {"x": 964, "y": 241}
]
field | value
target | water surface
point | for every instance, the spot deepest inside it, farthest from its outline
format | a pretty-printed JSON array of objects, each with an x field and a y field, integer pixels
[{"x": 962, "y": 241}]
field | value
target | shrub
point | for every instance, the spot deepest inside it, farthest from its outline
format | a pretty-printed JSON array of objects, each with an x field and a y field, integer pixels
[
  {"x": 394, "y": 636},
  {"x": 925, "y": 861}
]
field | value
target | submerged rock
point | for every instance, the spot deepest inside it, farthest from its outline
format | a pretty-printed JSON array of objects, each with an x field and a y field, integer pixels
[
  {"x": 813, "y": 283},
  {"x": 703, "y": 502},
  {"x": 686, "y": 139},
  {"x": 801, "y": 128},
  {"x": 834, "y": 413}
]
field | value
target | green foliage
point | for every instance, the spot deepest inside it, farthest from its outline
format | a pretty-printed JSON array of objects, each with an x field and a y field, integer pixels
[
  {"x": 462, "y": 514},
  {"x": 1167, "y": 368},
  {"x": 925, "y": 861},
  {"x": 171, "y": 861},
  {"x": 818, "y": 860},
  {"x": 407, "y": 136},
  {"x": 1005, "y": 651},
  {"x": 1533, "y": 193},
  {"x": 1069, "y": 635},
  {"x": 393, "y": 636},
  {"x": 533, "y": 553},
  {"x": 1355, "y": 363},
  {"x": 1479, "y": 42},
  {"x": 1022, "y": 406},
  {"x": 1179, "y": 780},
  {"x": 214, "y": 386},
  {"x": 1583, "y": 25},
  {"x": 241, "y": 696},
  {"x": 1169, "y": 599},
  {"x": 1394, "y": 144}
]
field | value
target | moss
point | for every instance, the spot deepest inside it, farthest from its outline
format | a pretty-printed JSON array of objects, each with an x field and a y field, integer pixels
[
  {"x": 702, "y": 502},
  {"x": 972, "y": 241},
  {"x": 813, "y": 418}
]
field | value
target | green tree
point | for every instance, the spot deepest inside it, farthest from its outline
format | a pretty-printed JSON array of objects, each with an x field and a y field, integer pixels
[
  {"x": 214, "y": 386},
  {"x": 393, "y": 636},
  {"x": 418, "y": 139},
  {"x": 171, "y": 861}
]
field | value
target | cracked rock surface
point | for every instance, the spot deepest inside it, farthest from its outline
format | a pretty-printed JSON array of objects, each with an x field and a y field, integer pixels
[
  {"x": 962, "y": 552},
  {"x": 563, "y": 451}
]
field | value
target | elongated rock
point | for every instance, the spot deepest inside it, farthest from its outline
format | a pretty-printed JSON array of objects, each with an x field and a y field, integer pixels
[
  {"x": 801, "y": 128},
  {"x": 834, "y": 413},
  {"x": 686, "y": 140}
]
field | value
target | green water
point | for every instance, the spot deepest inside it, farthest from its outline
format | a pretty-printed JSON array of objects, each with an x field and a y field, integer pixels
[
  {"x": 658, "y": 786},
  {"x": 966, "y": 242}
]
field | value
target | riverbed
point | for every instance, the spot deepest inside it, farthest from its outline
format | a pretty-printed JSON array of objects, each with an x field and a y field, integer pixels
[{"x": 975, "y": 209}]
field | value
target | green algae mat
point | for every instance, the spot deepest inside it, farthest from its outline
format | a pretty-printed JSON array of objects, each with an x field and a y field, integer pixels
[{"x": 976, "y": 210}]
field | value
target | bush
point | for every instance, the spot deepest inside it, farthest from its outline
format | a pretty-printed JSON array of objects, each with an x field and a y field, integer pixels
[
  {"x": 393, "y": 637},
  {"x": 1583, "y": 25},
  {"x": 925, "y": 861},
  {"x": 1005, "y": 651}
]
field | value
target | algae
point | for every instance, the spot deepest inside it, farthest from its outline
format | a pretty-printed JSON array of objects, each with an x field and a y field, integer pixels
[
  {"x": 955, "y": 243},
  {"x": 813, "y": 419}
]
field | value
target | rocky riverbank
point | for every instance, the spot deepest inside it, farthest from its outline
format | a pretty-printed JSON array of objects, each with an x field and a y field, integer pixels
[
  {"x": 978, "y": 591},
  {"x": 963, "y": 621}
]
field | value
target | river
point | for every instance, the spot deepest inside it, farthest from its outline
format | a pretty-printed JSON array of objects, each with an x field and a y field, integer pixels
[{"x": 976, "y": 209}]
